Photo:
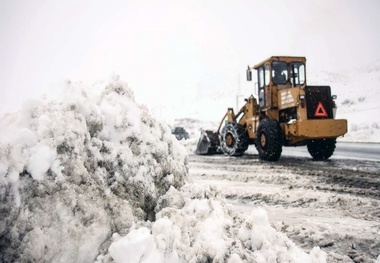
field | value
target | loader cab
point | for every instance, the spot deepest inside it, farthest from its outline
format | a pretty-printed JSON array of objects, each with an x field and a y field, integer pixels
[{"x": 277, "y": 73}]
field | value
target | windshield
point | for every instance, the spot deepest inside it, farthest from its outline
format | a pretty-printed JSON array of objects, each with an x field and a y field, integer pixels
[{"x": 280, "y": 72}]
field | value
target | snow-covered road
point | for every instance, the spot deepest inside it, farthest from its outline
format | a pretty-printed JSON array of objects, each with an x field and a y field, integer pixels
[{"x": 333, "y": 204}]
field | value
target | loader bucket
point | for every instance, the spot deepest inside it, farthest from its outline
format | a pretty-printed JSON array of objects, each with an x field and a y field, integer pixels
[{"x": 208, "y": 143}]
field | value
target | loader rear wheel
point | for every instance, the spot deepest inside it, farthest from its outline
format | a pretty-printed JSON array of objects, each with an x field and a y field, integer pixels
[
  {"x": 234, "y": 139},
  {"x": 321, "y": 149},
  {"x": 269, "y": 140}
]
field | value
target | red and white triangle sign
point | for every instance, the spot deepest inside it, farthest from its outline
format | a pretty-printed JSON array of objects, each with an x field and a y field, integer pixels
[{"x": 320, "y": 111}]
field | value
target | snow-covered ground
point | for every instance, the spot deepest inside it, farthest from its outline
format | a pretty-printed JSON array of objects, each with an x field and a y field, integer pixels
[
  {"x": 333, "y": 205},
  {"x": 92, "y": 177}
]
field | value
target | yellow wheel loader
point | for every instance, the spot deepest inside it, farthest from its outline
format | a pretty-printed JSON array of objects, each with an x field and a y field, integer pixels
[{"x": 287, "y": 112}]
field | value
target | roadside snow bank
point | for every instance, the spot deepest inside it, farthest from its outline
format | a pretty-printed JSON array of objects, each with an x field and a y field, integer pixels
[
  {"x": 94, "y": 178},
  {"x": 74, "y": 172}
]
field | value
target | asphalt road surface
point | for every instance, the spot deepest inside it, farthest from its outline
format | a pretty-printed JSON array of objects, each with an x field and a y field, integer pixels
[{"x": 362, "y": 151}]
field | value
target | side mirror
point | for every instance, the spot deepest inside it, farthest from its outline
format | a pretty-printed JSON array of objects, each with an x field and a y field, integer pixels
[
  {"x": 249, "y": 74},
  {"x": 334, "y": 97}
]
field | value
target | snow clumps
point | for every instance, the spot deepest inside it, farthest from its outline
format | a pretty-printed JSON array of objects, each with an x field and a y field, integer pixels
[{"x": 197, "y": 227}]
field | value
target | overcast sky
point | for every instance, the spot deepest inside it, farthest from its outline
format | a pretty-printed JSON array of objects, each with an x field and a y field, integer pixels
[{"x": 168, "y": 51}]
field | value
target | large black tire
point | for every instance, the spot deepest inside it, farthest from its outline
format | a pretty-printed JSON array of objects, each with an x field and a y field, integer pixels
[
  {"x": 269, "y": 140},
  {"x": 321, "y": 149},
  {"x": 233, "y": 139}
]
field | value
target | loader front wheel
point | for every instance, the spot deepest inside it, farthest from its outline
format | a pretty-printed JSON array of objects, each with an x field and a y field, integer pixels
[
  {"x": 233, "y": 139},
  {"x": 321, "y": 149},
  {"x": 269, "y": 142}
]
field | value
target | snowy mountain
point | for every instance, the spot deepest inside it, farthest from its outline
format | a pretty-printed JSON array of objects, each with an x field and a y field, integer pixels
[{"x": 92, "y": 177}]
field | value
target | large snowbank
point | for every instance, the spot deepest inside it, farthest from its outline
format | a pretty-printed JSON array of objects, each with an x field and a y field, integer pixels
[{"x": 93, "y": 177}]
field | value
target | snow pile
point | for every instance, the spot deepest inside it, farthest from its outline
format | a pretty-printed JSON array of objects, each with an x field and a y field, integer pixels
[
  {"x": 94, "y": 177},
  {"x": 74, "y": 172},
  {"x": 196, "y": 226}
]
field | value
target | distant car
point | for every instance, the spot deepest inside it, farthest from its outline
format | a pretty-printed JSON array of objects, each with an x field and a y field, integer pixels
[{"x": 180, "y": 133}]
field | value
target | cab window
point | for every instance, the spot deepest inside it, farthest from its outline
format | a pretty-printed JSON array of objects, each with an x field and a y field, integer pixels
[
  {"x": 297, "y": 73},
  {"x": 279, "y": 72},
  {"x": 261, "y": 77},
  {"x": 267, "y": 75}
]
